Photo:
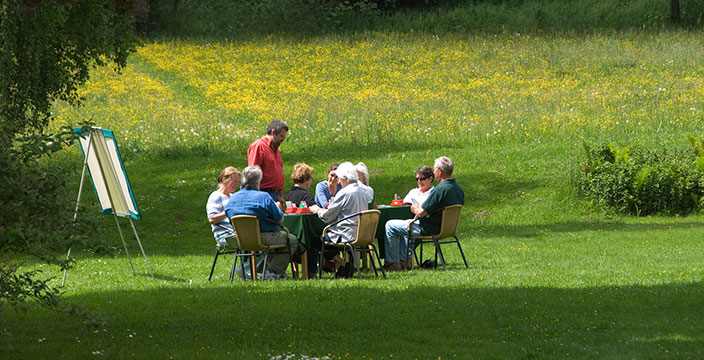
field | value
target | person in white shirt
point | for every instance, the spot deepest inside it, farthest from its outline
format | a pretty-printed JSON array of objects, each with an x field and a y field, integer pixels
[
  {"x": 424, "y": 178},
  {"x": 228, "y": 182},
  {"x": 350, "y": 200}
]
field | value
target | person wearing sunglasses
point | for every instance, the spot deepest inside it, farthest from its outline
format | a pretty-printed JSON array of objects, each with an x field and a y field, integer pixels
[
  {"x": 446, "y": 193},
  {"x": 424, "y": 178}
]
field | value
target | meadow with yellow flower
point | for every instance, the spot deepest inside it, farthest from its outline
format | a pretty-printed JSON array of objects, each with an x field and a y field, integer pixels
[{"x": 550, "y": 276}]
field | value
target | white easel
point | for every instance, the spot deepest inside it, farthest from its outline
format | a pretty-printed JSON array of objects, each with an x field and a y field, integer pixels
[{"x": 106, "y": 181}]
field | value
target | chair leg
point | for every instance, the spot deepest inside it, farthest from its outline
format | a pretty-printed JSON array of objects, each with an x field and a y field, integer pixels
[
  {"x": 420, "y": 261},
  {"x": 320, "y": 261},
  {"x": 369, "y": 250},
  {"x": 461, "y": 252},
  {"x": 354, "y": 259},
  {"x": 415, "y": 254},
  {"x": 439, "y": 250},
  {"x": 253, "y": 266},
  {"x": 294, "y": 268},
  {"x": 378, "y": 259},
  {"x": 212, "y": 268},
  {"x": 266, "y": 262},
  {"x": 232, "y": 272}
]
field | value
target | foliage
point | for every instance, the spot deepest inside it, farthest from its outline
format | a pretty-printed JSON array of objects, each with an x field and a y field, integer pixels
[
  {"x": 47, "y": 51},
  {"x": 644, "y": 181},
  {"x": 257, "y": 18}
]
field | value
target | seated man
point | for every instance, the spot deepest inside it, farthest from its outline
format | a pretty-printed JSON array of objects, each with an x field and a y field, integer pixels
[
  {"x": 251, "y": 201},
  {"x": 446, "y": 193}
]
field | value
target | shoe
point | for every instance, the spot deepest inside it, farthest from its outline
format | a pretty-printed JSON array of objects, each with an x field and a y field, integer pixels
[
  {"x": 341, "y": 272},
  {"x": 406, "y": 265},
  {"x": 349, "y": 270},
  {"x": 270, "y": 276},
  {"x": 329, "y": 267},
  {"x": 393, "y": 267}
]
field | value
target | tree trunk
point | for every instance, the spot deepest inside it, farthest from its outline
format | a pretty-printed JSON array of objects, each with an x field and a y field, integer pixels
[{"x": 675, "y": 11}]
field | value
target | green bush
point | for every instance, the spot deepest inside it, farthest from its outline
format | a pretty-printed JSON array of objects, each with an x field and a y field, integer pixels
[{"x": 639, "y": 181}]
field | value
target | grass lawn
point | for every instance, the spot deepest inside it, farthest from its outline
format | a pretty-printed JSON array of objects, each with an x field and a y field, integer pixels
[{"x": 550, "y": 275}]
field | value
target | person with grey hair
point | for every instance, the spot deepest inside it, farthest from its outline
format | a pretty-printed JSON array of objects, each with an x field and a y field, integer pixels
[
  {"x": 251, "y": 201},
  {"x": 363, "y": 182},
  {"x": 348, "y": 201},
  {"x": 265, "y": 153},
  {"x": 446, "y": 193}
]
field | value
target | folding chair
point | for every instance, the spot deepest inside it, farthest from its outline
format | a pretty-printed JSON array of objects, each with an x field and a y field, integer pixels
[
  {"x": 222, "y": 250},
  {"x": 363, "y": 241},
  {"x": 448, "y": 229},
  {"x": 250, "y": 245}
]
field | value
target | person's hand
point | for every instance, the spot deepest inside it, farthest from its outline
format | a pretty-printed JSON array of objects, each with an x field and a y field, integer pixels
[
  {"x": 314, "y": 208},
  {"x": 332, "y": 186},
  {"x": 414, "y": 208}
]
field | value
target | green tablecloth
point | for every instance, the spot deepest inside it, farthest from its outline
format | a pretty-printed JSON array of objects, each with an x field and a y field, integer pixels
[
  {"x": 389, "y": 213},
  {"x": 308, "y": 227}
]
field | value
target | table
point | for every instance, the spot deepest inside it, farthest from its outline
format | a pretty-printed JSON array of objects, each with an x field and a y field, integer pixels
[
  {"x": 389, "y": 213},
  {"x": 308, "y": 227}
]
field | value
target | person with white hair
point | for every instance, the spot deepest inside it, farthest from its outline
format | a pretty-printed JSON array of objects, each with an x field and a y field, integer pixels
[
  {"x": 363, "y": 181},
  {"x": 446, "y": 193},
  {"x": 350, "y": 200}
]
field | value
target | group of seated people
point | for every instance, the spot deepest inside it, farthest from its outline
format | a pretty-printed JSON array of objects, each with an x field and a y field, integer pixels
[{"x": 345, "y": 192}]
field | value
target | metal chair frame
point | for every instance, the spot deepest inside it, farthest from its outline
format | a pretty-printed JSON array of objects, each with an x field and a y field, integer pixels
[
  {"x": 448, "y": 229},
  {"x": 364, "y": 241},
  {"x": 222, "y": 251},
  {"x": 257, "y": 248}
]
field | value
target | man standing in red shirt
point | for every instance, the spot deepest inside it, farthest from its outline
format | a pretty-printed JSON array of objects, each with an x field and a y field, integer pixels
[{"x": 265, "y": 153}]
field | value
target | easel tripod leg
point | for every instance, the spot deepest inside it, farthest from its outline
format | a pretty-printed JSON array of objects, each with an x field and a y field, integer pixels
[
  {"x": 141, "y": 248},
  {"x": 124, "y": 244}
]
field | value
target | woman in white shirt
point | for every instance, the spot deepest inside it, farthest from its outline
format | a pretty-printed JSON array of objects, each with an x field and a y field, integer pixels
[
  {"x": 228, "y": 181},
  {"x": 424, "y": 178},
  {"x": 363, "y": 181}
]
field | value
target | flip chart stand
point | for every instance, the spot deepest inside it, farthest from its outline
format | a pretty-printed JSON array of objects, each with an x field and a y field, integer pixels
[{"x": 110, "y": 184}]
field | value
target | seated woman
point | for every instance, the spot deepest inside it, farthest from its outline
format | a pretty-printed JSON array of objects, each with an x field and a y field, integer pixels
[
  {"x": 363, "y": 182},
  {"x": 325, "y": 190},
  {"x": 350, "y": 200},
  {"x": 302, "y": 176},
  {"x": 228, "y": 181},
  {"x": 424, "y": 178}
]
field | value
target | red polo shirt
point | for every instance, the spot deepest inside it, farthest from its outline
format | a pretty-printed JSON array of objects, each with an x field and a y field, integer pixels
[{"x": 260, "y": 153}]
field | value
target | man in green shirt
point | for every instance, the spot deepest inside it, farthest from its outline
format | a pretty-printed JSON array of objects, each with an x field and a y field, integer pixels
[{"x": 447, "y": 192}]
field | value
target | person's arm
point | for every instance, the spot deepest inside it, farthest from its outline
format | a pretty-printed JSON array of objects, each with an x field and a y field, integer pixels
[
  {"x": 333, "y": 188},
  {"x": 320, "y": 195},
  {"x": 334, "y": 209},
  {"x": 282, "y": 202},
  {"x": 215, "y": 209},
  {"x": 276, "y": 213},
  {"x": 217, "y": 217},
  {"x": 418, "y": 211},
  {"x": 254, "y": 155}
]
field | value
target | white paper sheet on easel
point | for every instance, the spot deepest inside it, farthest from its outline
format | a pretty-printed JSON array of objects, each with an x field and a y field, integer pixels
[{"x": 107, "y": 173}]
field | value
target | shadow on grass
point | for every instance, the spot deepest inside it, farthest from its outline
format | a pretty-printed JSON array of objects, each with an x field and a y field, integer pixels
[
  {"x": 354, "y": 320},
  {"x": 530, "y": 231}
]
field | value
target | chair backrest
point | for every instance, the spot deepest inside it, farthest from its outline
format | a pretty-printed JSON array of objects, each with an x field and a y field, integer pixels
[
  {"x": 248, "y": 235},
  {"x": 450, "y": 221},
  {"x": 366, "y": 229}
]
